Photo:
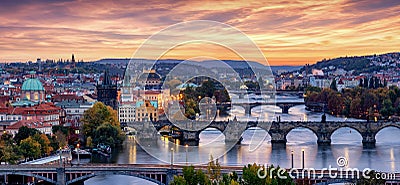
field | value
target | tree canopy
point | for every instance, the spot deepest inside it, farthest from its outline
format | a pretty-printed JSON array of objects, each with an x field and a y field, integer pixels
[{"x": 101, "y": 125}]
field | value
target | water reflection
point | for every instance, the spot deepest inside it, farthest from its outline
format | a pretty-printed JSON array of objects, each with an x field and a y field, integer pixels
[
  {"x": 116, "y": 179},
  {"x": 346, "y": 142},
  {"x": 315, "y": 156}
]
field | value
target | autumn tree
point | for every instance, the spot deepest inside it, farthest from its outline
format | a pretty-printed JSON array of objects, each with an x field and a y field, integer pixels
[
  {"x": 61, "y": 139},
  {"x": 370, "y": 178},
  {"x": 214, "y": 169},
  {"x": 95, "y": 118},
  {"x": 43, "y": 140},
  {"x": 30, "y": 148},
  {"x": 8, "y": 149},
  {"x": 269, "y": 175}
]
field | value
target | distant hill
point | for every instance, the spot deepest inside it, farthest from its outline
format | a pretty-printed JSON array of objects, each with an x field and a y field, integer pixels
[
  {"x": 236, "y": 64},
  {"x": 358, "y": 64}
]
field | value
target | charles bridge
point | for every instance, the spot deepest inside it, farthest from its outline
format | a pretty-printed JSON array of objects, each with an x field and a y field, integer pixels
[{"x": 233, "y": 129}]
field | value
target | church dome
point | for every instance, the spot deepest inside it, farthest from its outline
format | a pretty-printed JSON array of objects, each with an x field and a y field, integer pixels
[
  {"x": 149, "y": 76},
  {"x": 32, "y": 84}
]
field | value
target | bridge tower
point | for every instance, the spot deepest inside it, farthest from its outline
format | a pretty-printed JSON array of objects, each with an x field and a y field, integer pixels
[
  {"x": 233, "y": 132},
  {"x": 61, "y": 176},
  {"x": 170, "y": 175}
]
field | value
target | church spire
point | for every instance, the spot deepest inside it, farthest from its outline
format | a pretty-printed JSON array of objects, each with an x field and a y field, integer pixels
[
  {"x": 107, "y": 78},
  {"x": 73, "y": 58}
]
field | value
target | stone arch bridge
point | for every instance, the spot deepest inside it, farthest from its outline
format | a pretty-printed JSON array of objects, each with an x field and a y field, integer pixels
[
  {"x": 76, "y": 175},
  {"x": 285, "y": 106},
  {"x": 278, "y": 131}
]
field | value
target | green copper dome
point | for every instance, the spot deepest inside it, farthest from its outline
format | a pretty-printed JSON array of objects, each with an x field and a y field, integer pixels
[{"x": 32, "y": 84}]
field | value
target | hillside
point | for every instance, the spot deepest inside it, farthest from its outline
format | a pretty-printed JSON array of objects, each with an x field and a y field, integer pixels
[{"x": 359, "y": 64}]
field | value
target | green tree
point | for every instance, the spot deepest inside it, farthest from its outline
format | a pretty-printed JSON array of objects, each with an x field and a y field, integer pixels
[
  {"x": 64, "y": 130},
  {"x": 8, "y": 149},
  {"x": 202, "y": 178},
  {"x": 366, "y": 85},
  {"x": 387, "y": 108},
  {"x": 267, "y": 176},
  {"x": 334, "y": 85},
  {"x": 392, "y": 95},
  {"x": 97, "y": 116},
  {"x": 192, "y": 177},
  {"x": 214, "y": 170},
  {"x": 371, "y": 84},
  {"x": 108, "y": 134},
  {"x": 207, "y": 88},
  {"x": 377, "y": 83},
  {"x": 250, "y": 175},
  {"x": 24, "y": 132},
  {"x": 230, "y": 179},
  {"x": 372, "y": 180},
  {"x": 30, "y": 148},
  {"x": 178, "y": 180}
]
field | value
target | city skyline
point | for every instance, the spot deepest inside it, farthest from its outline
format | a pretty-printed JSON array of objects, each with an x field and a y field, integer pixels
[{"x": 288, "y": 33}]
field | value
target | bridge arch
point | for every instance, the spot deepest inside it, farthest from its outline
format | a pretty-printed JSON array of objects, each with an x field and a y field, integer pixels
[
  {"x": 31, "y": 175},
  {"x": 345, "y": 126},
  {"x": 256, "y": 129},
  {"x": 385, "y": 127},
  {"x": 356, "y": 131},
  {"x": 88, "y": 176},
  {"x": 300, "y": 127},
  {"x": 217, "y": 137},
  {"x": 212, "y": 127}
]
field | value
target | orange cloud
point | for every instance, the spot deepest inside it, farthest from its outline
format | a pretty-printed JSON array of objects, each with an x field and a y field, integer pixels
[{"x": 288, "y": 32}]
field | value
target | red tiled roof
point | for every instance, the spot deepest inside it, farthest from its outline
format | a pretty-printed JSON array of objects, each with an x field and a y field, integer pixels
[
  {"x": 41, "y": 109},
  {"x": 62, "y": 97},
  {"x": 28, "y": 123}
]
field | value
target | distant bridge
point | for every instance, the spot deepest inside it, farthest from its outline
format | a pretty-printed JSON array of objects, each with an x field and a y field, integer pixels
[
  {"x": 242, "y": 93},
  {"x": 284, "y": 105},
  {"x": 249, "y": 103},
  {"x": 278, "y": 131}
]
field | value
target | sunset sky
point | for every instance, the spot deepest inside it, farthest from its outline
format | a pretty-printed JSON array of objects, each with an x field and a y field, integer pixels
[{"x": 288, "y": 32}]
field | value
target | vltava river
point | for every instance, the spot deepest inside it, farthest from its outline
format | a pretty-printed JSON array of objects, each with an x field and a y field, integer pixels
[{"x": 346, "y": 142}]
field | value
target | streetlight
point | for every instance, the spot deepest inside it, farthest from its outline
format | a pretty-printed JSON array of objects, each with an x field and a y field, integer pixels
[
  {"x": 302, "y": 151},
  {"x": 186, "y": 147},
  {"x": 60, "y": 157},
  {"x": 292, "y": 160},
  {"x": 172, "y": 157},
  {"x": 77, "y": 151}
]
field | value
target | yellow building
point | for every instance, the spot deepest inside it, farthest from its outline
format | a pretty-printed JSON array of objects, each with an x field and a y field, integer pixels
[{"x": 146, "y": 110}]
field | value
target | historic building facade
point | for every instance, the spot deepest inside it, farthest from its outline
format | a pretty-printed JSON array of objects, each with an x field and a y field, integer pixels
[{"x": 107, "y": 91}]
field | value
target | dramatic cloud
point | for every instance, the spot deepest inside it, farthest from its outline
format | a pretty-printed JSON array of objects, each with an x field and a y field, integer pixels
[{"x": 288, "y": 32}]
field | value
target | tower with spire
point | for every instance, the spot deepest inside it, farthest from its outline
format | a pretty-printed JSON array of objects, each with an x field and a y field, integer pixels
[
  {"x": 107, "y": 91},
  {"x": 73, "y": 61}
]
